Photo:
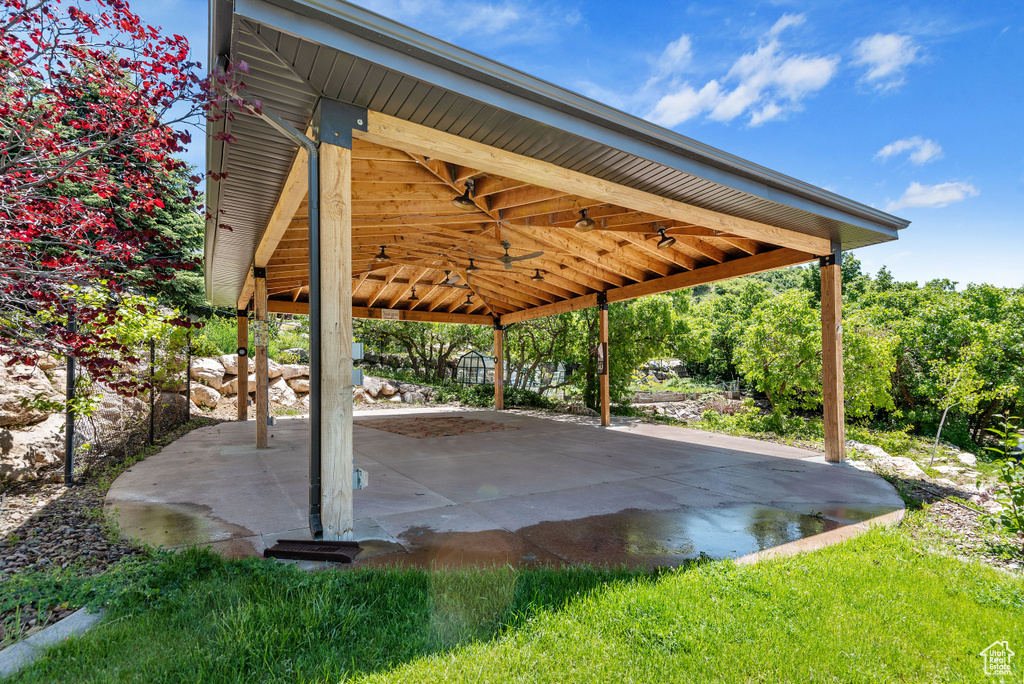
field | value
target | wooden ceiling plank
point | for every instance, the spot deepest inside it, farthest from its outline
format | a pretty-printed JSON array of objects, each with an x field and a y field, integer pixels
[{"x": 417, "y": 139}]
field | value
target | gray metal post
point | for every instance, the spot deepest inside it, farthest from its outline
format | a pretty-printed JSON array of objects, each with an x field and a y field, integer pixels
[
  {"x": 152, "y": 388},
  {"x": 69, "y": 420},
  {"x": 188, "y": 376}
]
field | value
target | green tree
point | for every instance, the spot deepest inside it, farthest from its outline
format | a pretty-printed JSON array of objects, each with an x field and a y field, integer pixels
[{"x": 779, "y": 353}]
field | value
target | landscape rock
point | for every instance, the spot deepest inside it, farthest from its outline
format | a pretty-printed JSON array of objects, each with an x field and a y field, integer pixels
[
  {"x": 299, "y": 384},
  {"x": 208, "y": 371},
  {"x": 413, "y": 397},
  {"x": 872, "y": 450},
  {"x": 395, "y": 398},
  {"x": 47, "y": 362},
  {"x": 230, "y": 363},
  {"x": 19, "y": 383},
  {"x": 280, "y": 393},
  {"x": 294, "y": 370},
  {"x": 902, "y": 466},
  {"x": 968, "y": 459},
  {"x": 21, "y": 451},
  {"x": 361, "y": 396},
  {"x": 230, "y": 386},
  {"x": 947, "y": 470},
  {"x": 274, "y": 369},
  {"x": 387, "y": 389},
  {"x": 205, "y": 397},
  {"x": 372, "y": 385}
]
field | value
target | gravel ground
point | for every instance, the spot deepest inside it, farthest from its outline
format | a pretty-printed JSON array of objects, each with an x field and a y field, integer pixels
[{"x": 45, "y": 524}]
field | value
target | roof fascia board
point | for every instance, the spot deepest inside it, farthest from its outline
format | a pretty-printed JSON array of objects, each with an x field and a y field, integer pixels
[{"x": 479, "y": 78}]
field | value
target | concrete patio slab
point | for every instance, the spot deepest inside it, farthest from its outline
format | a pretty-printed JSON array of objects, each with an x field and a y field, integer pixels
[{"x": 557, "y": 490}]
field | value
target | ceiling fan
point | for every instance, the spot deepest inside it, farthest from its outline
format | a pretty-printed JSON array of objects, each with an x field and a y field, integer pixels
[{"x": 507, "y": 259}]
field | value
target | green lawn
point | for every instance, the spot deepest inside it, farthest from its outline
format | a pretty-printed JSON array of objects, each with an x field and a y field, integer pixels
[{"x": 873, "y": 609}]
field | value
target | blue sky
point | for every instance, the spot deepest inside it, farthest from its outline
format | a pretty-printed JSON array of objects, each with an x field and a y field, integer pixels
[{"x": 917, "y": 108}]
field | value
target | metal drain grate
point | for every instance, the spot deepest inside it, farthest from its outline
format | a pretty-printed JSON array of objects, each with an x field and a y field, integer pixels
[{"x": 304, "y": 549}]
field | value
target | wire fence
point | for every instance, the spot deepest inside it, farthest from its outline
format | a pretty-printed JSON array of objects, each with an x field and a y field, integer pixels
[{"x": 107, "y": 421}]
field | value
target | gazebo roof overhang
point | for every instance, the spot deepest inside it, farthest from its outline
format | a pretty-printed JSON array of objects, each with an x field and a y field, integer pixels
[{"x": 440, "y": 119}]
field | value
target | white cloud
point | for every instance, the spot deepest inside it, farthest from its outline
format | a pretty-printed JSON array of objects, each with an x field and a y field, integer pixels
[
  {"x": 502, "y": 21},
  {"x": 673, "y": 59},
  {"x": 685, "y": 103},
  {"x": 921, "y": 150},
  {"x": 768, "y": 83},
  {"x": 941, "y": 195},
  {"x": 886, "y": 56}
]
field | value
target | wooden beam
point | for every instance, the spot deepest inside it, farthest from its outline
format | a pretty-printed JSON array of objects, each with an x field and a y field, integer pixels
[
  {"x": 499, "y": 370},
  {"x": 242, "y": 397},
  {"x": 302, "y": 309},
  {"x": 605, "y": 376},
  {"x": 336, "y": 464},
  {"x": 832, "y": 362},
  {"x": 262, "y": 373},
  {"x": 414, "y": 138},
  {"x": 292, "y": 195},
  {"x": 766, "y": 261}
]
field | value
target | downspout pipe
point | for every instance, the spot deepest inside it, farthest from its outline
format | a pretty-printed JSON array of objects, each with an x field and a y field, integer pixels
[{"x": 316, "y": 527}]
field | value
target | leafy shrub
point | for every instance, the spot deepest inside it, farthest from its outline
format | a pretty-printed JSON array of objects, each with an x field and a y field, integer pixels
[{"x": 1011, "y": 474}]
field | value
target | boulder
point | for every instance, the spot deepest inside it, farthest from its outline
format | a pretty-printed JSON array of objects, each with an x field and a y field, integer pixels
[
  {"x": 299, "y": 384},
  {"x": 361, "y": 396},
  {"x": 870, "y": 449},
  {"x": 372, "y": 385},
  {"x": 21, "y": 451},
  {"x": 23, "y": 383},
  {"x": 230, "y": 386},
  {"x": 230, "y": 363},
  {"x": 387, "y": 389},
  {"x": 902, "y": 466},
  {"x": 274, "y": 369},
  {"x": 280, "y": 393},
  {"x": 967, "y": 459},
  {"x": 395, "y": 398},
  {"x": 294, "y": 370},
  {"x": 205, "y": 397},
  {"x": 413, "y": 397},
  {"x": 208, "y": 371},
  {"x": 47, "y": 362}
]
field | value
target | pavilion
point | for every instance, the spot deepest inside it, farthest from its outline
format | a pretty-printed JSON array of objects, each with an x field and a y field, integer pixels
[{"x": 378, "y": 172}]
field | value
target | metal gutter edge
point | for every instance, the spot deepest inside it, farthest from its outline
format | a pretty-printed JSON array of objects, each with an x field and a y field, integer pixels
[{"x": 408, "y": 45}]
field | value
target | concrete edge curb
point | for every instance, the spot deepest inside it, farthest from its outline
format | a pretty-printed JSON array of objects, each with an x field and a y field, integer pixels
[
  {"x": 820, "y": 541},
  {"x": 18, "y": 656}
]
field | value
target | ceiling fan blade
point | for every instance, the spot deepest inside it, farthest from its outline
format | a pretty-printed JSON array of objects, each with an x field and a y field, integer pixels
[{"x": 532, "y": 255}]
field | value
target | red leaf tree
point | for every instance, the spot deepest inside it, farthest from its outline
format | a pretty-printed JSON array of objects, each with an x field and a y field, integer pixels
[{"x": 87, "y": 145}]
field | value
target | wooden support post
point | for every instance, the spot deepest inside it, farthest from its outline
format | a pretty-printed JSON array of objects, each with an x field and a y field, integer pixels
[
  {"x": 242, "y": 397},
  {"x": 336, "y": 340},
  {"x": 499, "y": 369},
  {"x": 262, "y": 372},
  {"x": 832, "y": 357},
  {"x": 606, "y": 403}
]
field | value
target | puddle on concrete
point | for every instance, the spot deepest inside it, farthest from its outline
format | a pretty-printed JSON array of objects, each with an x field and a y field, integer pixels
[
  {"x": 173, "y": 524},
  {"x": 633, "y": 537}
]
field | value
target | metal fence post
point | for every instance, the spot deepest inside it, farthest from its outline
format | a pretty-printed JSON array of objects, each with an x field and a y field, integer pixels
[
  {"x": 152, "y": 391},
  {"x": 188, "y": 376},
  {"x": 69, "y": 420}
]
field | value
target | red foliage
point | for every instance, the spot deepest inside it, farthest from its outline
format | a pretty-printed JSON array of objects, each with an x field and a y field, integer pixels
[{"x": 86, "y": 148}]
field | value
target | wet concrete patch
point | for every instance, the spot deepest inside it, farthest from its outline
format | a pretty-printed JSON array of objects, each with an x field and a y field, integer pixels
[
  {"x": 633, "y": 538},
  {"x": 488, "y": 548},
  {"x": 173, "y": 524}
]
